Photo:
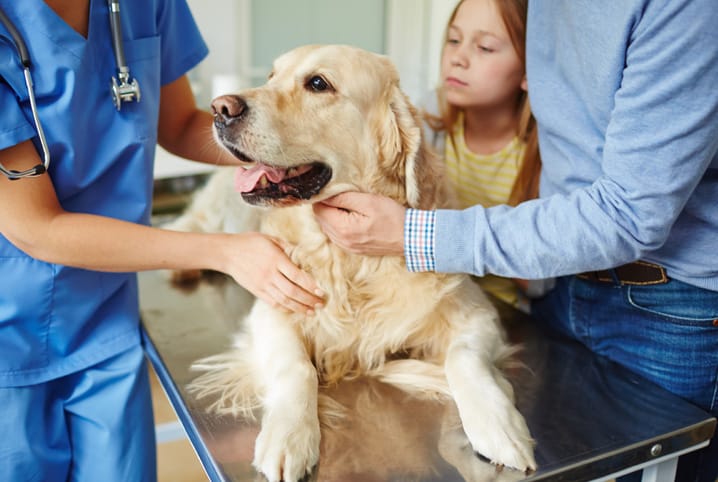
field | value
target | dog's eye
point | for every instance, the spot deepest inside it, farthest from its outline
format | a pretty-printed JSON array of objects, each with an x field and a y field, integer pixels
[{"x": 318, "y": 84}]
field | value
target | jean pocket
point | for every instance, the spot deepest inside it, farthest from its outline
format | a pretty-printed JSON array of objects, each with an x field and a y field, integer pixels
[{"x": 677, "y": 301}]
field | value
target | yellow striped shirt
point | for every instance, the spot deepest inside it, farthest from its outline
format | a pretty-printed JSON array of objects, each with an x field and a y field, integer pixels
[{"x": 486, "y": 180}]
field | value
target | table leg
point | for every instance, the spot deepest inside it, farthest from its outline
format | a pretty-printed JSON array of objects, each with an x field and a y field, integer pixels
[{"x": 662, "y": 472}]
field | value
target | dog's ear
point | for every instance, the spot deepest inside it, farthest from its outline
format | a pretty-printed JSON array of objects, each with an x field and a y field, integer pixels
[{"x": 409, "y": 159}]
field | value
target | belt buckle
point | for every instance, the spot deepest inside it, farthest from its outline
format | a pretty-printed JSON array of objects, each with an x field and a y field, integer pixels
[
  {"x": 647, "y": 274},
  {"x": 638, "y": 273}
]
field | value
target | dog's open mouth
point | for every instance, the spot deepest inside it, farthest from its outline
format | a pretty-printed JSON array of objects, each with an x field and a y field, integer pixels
[{"x": 264, "y": 184}]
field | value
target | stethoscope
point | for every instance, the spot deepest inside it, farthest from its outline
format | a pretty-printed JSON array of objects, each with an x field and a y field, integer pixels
[{"x": 123, "y": 88}]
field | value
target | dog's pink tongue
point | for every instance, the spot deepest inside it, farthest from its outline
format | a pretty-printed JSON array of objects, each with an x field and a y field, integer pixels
[{"x": 245, "y": 180}]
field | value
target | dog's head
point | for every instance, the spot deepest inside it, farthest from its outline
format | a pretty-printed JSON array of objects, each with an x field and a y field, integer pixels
[{"x": 331, "y": 118}]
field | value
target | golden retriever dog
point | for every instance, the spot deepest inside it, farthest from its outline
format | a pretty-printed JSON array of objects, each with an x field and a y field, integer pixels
[{"x": 332, "y": 119}]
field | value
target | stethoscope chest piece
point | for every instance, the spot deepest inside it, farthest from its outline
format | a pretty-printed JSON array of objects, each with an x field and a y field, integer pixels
[{"x": 124, "y": 90}]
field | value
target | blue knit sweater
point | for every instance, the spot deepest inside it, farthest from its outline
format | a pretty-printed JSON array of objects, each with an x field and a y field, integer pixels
[{"x": 626, "y": 96}]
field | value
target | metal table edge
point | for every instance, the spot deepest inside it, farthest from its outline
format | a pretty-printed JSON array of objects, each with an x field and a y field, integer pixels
[
  {"x": 175, "y": 398},
  {"x": 703, "y": 430}
]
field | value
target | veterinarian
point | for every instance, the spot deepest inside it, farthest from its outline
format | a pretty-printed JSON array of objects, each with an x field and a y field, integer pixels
[
  {"x": 75, "y": 198},
  {"x": 480, "y": 118},
  {"x": 625, "y": 97}
]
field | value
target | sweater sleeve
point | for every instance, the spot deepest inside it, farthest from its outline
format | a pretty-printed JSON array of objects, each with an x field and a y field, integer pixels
[{"x": 647, "y": 136}]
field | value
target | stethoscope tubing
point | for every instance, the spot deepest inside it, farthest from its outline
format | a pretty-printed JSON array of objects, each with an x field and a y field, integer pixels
[
  {"x": 116, "y": 29},
  {"x": 17, "y": 38},
  {"x": 123, "y": 90},
  {"x": 26, "y": 65}
]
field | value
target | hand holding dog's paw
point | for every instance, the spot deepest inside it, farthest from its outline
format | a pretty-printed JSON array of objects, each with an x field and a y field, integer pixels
[{"x": 287, "y": 450}]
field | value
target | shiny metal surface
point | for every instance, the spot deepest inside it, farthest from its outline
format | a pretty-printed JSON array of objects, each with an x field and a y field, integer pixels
[{"x": 590, "y": 417}]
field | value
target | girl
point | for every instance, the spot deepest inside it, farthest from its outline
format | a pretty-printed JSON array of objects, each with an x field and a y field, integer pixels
[{"x": 481, "y": 105}]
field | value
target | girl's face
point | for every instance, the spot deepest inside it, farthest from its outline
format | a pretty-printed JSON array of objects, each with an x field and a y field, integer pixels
[{"x": 479, "y": 66}]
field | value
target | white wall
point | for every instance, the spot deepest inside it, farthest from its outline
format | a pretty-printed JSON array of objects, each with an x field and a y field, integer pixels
[
  {"x": 225, "y": 26},
  {"x": 415, "y": 30},
  {"x": 440, "y": 11}
]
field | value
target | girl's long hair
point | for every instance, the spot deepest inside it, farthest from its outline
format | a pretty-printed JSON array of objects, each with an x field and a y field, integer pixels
[{"x": 513, "y": 13}]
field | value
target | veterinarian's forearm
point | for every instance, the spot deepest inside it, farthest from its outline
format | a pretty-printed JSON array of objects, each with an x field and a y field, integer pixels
[
  {"x": 196, "y": 142},
  {"x": 106, "y": 244},
  {"x": 185, "y": 130}
]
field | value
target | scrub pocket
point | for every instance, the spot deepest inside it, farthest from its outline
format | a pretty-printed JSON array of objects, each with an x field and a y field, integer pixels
[
  {"x": 26, "y": 287},
  {"x": 143, "y": 59}
]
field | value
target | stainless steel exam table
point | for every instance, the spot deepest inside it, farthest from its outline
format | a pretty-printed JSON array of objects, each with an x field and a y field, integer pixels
[{"x": 592, "y": 420}]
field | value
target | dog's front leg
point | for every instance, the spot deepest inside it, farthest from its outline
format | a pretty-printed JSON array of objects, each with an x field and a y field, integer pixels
[
  {"x": 455, "y": 448},
  {"x": 287, "y": 447},
  {"x": 483, "y": 396}
]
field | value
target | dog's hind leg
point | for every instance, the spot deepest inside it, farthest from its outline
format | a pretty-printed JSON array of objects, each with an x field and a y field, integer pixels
[{"x": 287, "y": 447}]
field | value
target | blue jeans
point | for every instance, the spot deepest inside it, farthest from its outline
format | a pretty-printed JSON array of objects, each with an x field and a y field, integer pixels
[{"x": 667, "y": 333}]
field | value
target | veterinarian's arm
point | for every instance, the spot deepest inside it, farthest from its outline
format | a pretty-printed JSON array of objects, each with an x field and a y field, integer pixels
[
  {"x": 34, "y": 221},
  {"x": 185, "y": 130},
  {"x": 363, "y": 223}
]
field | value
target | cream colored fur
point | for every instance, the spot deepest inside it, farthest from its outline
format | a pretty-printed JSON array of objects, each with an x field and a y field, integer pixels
[{"x": 433, "y": 335}]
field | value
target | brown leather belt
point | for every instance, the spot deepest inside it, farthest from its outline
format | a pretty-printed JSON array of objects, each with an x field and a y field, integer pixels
[{"x": 636, "y": 273}]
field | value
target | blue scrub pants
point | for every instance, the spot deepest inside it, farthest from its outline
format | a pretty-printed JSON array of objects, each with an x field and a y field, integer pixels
[
  {"x": 667, "y": 333},
  {"x": 94, "y": 425}
]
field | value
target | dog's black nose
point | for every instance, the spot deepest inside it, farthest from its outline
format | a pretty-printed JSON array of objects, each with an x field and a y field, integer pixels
[{"x": 228, "y": 108}]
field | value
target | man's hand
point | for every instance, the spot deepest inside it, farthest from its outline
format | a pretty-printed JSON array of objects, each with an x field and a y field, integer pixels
[{"x": 363, "y": 223}]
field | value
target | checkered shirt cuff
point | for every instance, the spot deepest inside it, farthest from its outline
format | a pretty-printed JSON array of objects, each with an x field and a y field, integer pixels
[{"x": 419, "y": 240}]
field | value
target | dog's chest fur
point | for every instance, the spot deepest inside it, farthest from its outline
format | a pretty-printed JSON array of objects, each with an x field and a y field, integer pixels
[{"x": 366, "y": 296}]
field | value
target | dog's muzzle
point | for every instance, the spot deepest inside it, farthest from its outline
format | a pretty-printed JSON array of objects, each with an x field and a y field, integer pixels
[{"x": 227, "y": 110}]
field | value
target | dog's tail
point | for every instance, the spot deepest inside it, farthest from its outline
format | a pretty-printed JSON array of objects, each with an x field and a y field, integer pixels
[
  {"x": 419, "y": 378},
  {"x": 228, "y": 384}
]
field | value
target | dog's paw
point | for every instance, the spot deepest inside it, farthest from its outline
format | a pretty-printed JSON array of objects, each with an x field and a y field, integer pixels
[
  {"x": 456, "y": 449},
  {"x": 502, "y": 437},
  {"x": 287, "y": 450}
]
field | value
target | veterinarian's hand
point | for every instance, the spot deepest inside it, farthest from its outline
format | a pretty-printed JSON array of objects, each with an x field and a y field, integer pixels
[
  {"x": 265, "y": 270},
  {"x": 363, "y": 223}
]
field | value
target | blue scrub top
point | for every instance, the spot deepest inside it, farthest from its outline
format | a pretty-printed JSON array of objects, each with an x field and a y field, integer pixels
[{"x": 55, "y": 320}]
